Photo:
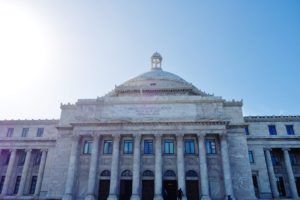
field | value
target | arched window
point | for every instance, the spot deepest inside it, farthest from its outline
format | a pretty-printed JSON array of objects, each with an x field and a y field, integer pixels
[
  {"x": 169, "y": 173},
  {"x": 191, "y": 173},
  {"x": 126, "y": 173},
  {"x": 105, "y": 173},
  {"x": 148, "y": 173}
]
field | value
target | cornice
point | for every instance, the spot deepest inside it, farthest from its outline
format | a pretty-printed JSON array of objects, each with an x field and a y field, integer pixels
[
  {"x": 278, "y": 118},
  {"x": 30, "y": 122}
]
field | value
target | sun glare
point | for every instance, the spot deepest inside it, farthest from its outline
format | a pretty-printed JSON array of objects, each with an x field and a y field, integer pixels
[{"x": 23, "y": 49}]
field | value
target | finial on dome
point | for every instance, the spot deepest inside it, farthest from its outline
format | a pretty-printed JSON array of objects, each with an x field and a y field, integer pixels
[{"x": 156, "y": 59}]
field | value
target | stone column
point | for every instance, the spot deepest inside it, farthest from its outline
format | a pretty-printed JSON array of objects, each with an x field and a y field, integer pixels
[
  {"x": 158, "y": 168},
  {"x": 226, "y": 167},
  {"x": 9, "y": 171},
  {"x": 93, "y": 169},
  {"x": 271, "y": 174},
  {"x": 136, "y": 168},
  {"x": 73, "y": 163},
  {"x": 290, "y": 173},
  {"x": 24, "y": 172},
  {"x": 114, "y": 168},
  {"x": 41, "y": 172},
  {"x": 203, "y": 168},
  {"x": 180, "y": 164}
]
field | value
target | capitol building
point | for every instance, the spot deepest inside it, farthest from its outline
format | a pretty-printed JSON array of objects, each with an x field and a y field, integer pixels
[{"x": 146, "y": 139}]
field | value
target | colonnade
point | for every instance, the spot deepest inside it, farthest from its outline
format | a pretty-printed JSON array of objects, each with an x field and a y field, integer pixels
[
  {"x": 114, "y": 180},
  {"x": 289, "y": 170},
  {"x": 26, "y": 167}
]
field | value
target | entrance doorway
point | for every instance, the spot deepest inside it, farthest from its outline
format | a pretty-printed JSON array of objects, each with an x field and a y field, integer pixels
[
  {"x": 103, "y": 189},
  {"x": 192, "y": 189},
  {"x": 170, "y": 190},
  {"x": 125, "y": 189},
  {"x": 147, "y": 189}
]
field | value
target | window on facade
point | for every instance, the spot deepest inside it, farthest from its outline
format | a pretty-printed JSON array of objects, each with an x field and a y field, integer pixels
[
  {"x": 255, "y": 184},
  {"x": 7, "y": 159},
  {"x": 275, "y": 160},
  {"x": 21, "y": 160},
  {"x": 148, "y": 146},
  {"x": 25, "y": 132},
  {"x": 2, "y": 182},
  {"x": 17, "y": 184},
  {"x": 128, "y": 147},
  {"x": 251, "y": 156},
  {"x": 33, "y": 184},
  {"x": 107, "y": 147},
  {"x": 10, "y": 132},
  {"x": 189, "y": 146},
  {"x": 169, "y": 147},
  {"x": 210, "y": 146},
  {"x": 272, "y": 130},
  {"x": 290, "y": 129},
  {"x": 87, "y": 147},
  {"x": 37, "y": 159},
  {"x": 247, "y": 130},
  {"x": 280, "y": 186},
  {"x": 40, "y": 132}
]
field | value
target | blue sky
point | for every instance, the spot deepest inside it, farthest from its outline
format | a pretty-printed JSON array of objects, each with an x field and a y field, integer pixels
[{"x": 235, "y": 49}]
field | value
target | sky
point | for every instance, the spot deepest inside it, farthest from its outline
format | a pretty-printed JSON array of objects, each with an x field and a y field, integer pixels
[{"x": 58, "y": 51}]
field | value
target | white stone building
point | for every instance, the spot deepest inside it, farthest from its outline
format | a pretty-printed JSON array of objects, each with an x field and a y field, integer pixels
[{"x": 147, "y": 138}]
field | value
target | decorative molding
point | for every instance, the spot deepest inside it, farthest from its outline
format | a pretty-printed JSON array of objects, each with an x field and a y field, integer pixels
[{"x": 274, "y": 118}]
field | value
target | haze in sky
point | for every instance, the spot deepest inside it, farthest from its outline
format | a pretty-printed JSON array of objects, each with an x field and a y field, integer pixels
[{"x": 54, "y": 52}]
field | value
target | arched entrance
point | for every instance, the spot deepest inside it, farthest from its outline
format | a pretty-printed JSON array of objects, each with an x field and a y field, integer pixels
[
  {"x": 192, "y": 185},
  {"x": 104, "y": 183},
  {"x": 148, "y": 185},
  {"x": 170, "y": 185},
  {"x": 125, "y": 185}
]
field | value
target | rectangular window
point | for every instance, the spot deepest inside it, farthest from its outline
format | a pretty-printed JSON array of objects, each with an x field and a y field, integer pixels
[
  {"x": 2, "y": 182},
  {"x": 10, "y": 132},
  {"x": 17, "y": 184},
  {"x": 290, "y": 129},
  {"x": 107, "y": 147},
  {"x": 255, "y": 184},
  {"x": 87, "y": 147},
  {"x": 33, "y": 184},
  {"x": 25, "y": 132},
  {"x": 169, "y": 147},
  {"x": 128, "y": 147},
  {"x": 251, "y": 157},
  {"x": 37, "y": 159},
  {"x": 148, "y": 146},
  {"x": 280, "y": 186},
  {"x": 189, "y": 146},
  {"x": 210, "y": 146},
  {"x": 7, "y": 159},
  {"x": 40, "y": 132},
  {"x": 21, "y": 160},
  {"x": 275, "y": 160},
  {"x": 272, "y": 130},
  {"x": 247, "y": 130}
]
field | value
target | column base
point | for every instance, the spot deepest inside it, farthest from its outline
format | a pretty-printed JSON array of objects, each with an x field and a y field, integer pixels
[
  {"x": 112, "y": 197},
  {"x": 205, "y": 197},
  {"x": 135, "y": 197},
  {"x": 90, "y": 197},
  {"x": 67, "y": 197},
  {"x": 158, "y": 197},
  {"x": 231, "y": 198}
]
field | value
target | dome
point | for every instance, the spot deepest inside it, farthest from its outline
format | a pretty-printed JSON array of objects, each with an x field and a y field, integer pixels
[{"x": 156, "y": 82}]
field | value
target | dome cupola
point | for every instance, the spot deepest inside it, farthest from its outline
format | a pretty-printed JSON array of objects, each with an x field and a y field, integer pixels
[{"x": 156, "y": 60}]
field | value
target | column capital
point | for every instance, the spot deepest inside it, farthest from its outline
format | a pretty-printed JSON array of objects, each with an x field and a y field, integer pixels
[
  {"x": 116, "y": 136},
  {"x": 223, "y": 136},
  {"x": 158, "y": 135},
  {"x": 201, "y": 136},
  {"x": 95, "y": 136},
  {"x": 268, "y": 149},
  {"x": 75, "y": 137},
  {"x": 43, "y": 150},
  {"x": 180, "y": 136},
  {"x": 137, "y": 136},
  {"x": 27, "y": 150},
  {"x": 286, "y": 149},
  {"x": 13, "y": 150}
]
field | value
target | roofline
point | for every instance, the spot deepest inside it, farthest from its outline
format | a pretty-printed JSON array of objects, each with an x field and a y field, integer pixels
[{"x": 272, "y": 118}]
